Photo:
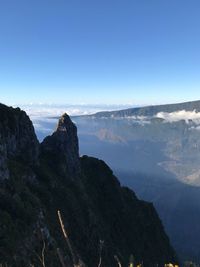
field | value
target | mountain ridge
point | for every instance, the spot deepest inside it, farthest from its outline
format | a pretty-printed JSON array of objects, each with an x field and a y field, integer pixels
[{"x": 151, "y": 110}]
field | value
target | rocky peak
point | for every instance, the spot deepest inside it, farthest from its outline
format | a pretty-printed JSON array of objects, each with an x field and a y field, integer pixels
[
  {"x": 65, "y": 124},
  {"x": 63, "y": 147}
]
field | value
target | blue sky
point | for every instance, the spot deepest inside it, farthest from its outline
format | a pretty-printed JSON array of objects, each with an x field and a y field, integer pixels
[{"x": 108, "y": 51}]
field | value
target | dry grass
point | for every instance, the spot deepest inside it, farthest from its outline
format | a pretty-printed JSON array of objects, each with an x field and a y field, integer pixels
[{"x": 76, "y": 261}]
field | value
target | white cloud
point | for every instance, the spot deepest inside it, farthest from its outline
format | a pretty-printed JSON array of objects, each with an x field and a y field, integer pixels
[
  {"x": 44, "y": 111},
  {"x": 180, "y": 115}
]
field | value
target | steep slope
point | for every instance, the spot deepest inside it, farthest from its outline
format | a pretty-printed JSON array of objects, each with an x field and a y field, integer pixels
[
  {"x": 42, "y": 179},
  {"x": 130, "y": 222}
]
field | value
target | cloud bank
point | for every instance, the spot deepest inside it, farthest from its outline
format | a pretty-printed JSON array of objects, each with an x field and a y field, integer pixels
[
  {"x": 47, "y": 111},
  {"x": 187, "y": 116}
]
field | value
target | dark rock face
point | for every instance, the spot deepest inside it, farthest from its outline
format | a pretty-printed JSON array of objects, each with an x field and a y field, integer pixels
[
  {"x": 93, "y": 205},
  {"x": 126, "y": 224},
  {"x": 17, "y": 139},
  {"x": 62, "y": 146}
]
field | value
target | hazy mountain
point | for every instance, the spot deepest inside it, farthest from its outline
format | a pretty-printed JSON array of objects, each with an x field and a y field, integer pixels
[{"x": 38, "y": 179}]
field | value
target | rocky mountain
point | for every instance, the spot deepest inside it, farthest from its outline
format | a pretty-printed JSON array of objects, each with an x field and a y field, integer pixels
[{"x": 100, "y": 216}]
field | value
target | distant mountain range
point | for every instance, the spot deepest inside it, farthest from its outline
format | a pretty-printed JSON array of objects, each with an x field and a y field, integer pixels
[
  {"x": 152, "y": 110},
  {"x": 171, "y": 132}
]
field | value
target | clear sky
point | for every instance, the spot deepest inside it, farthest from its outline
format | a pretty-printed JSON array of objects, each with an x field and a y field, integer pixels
[{"x": 105, "y": 51}]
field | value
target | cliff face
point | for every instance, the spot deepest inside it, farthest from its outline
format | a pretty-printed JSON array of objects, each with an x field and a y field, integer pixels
[
  {"x": 17, "y": 139},
  {"x": 98, "y": 214}
]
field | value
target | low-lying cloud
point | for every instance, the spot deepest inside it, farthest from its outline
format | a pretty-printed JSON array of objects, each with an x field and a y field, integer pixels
[
  {"x": 45, "y": 111},
  {"x": 187, "y": 116}
]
